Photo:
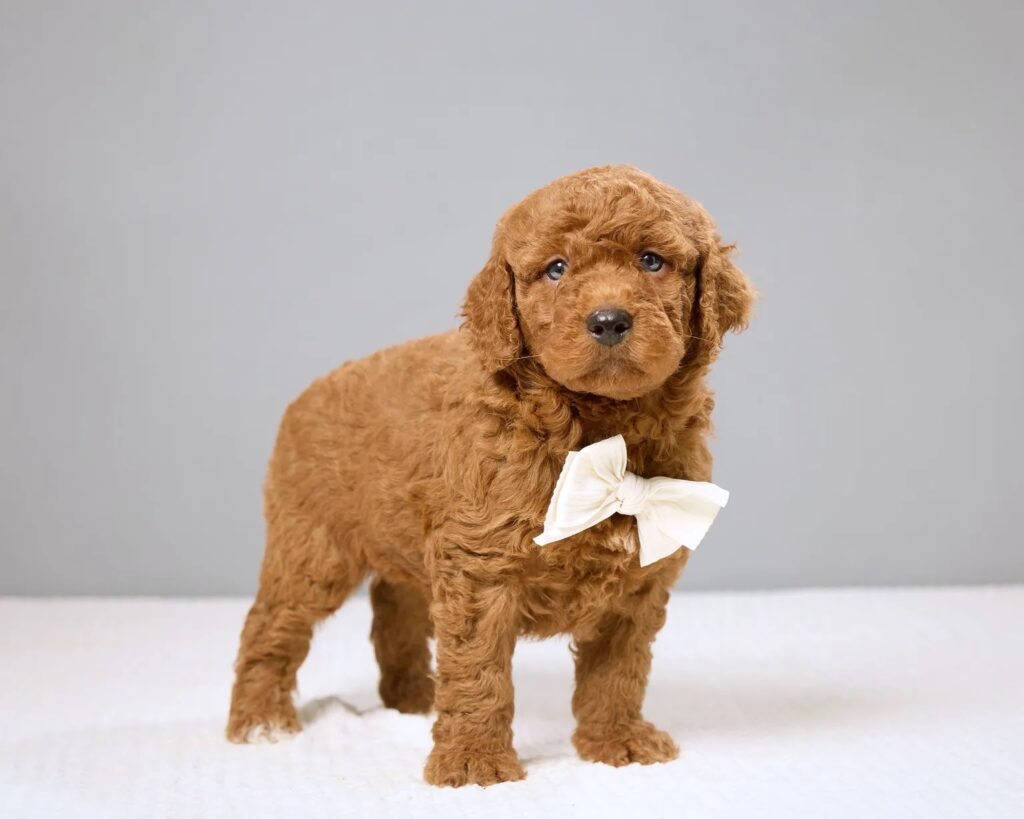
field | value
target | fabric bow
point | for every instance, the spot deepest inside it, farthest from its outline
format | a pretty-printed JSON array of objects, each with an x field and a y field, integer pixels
[{"x": 594, "y": 485}]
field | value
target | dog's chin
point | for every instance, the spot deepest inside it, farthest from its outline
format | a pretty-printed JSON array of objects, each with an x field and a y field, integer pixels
[{"x": 618, "y": 379}]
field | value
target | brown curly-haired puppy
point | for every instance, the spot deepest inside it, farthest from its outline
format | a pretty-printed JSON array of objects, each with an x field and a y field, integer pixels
[{"x": 429, "y": 466}]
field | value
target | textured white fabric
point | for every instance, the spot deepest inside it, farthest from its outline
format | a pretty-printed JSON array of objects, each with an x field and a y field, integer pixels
[
  {"x": 803, "y": 704},
  {"x": 594, "y": 485}
]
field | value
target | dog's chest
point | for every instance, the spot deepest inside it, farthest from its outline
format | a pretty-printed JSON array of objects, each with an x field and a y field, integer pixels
[{"x": 570, "y": 585}]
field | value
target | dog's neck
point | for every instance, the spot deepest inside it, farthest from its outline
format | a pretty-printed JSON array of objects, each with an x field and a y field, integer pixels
[{"x": 569, "y": 420}]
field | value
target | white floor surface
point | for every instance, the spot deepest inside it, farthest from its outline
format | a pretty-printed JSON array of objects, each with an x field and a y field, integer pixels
[{"x": 854, "y": 703}]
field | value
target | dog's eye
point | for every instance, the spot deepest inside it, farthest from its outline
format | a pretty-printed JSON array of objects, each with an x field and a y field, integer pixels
[
  {"x": 556, "y": 269},
  {"x": 652, "y": 262}
]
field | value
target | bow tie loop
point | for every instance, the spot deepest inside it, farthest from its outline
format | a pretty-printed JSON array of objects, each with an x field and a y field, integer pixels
[{"x": 594, "y": 484}]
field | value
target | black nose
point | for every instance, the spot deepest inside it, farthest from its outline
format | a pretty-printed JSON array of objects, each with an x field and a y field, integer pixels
[{"x": 609, "y": 326}]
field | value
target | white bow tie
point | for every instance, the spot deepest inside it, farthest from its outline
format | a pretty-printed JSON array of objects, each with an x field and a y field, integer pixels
[{"x": 594, "y": 485}]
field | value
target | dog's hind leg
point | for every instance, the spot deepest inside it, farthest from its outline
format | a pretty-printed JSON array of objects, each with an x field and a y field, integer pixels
[
  {"x": 400, "y": 634},
  {"x": 306, "y": 576}
]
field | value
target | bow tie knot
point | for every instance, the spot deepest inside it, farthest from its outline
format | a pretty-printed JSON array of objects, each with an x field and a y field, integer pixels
[
  {"x": 631, "y": 494},
  {"x": 594, "y": 484}
]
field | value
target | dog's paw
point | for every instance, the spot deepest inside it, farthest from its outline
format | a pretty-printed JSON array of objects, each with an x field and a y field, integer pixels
[
  {"x": 253, "y": 731},
  {"x": 408, "y": 695},
  {"x": 624, "y": 744},
  {"x": 455, "y": 768},
  {"x": 268, "y": 734}
]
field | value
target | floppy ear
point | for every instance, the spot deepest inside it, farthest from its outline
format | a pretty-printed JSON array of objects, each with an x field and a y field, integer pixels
[
  {"x": 490, "y": 314},
  {"x": 725, "y": 299}
]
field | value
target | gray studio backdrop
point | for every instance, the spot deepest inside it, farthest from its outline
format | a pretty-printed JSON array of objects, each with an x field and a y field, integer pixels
[{"x": 203, "y": 206}]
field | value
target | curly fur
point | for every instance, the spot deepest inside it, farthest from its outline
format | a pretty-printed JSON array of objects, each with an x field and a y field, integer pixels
[{"x": 429, "y": 467}]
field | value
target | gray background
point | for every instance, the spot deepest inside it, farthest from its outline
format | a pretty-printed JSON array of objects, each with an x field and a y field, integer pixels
[{"x": 204, "y": 206}]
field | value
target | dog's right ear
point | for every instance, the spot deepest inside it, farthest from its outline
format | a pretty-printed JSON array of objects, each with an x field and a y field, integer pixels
[
  {"x": 725, "y": 296},
  {"x": 490, "y": 313}
]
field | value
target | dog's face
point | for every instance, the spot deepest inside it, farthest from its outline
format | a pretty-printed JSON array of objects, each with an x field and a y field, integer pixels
[{"x": 610, "y": 280}]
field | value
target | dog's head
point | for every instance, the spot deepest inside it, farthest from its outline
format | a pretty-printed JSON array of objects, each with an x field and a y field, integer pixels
[{"x": 610, "y": 280}]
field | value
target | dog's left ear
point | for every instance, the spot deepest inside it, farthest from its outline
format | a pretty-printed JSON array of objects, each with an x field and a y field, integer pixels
[
  {"x": 490, "y": 313},
  {"x": 725, "y": 297}
]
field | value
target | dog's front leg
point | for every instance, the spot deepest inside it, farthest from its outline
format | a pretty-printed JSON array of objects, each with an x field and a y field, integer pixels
[
  {"x": 611, "y": 677},
  {"x": 475, "y": 623}
]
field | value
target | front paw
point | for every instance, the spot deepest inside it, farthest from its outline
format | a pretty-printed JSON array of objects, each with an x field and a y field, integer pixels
[
  {"x": 254, "y": 730},
  {"x": 623, "y": 744},
  {"x": 454, "y": 768}
]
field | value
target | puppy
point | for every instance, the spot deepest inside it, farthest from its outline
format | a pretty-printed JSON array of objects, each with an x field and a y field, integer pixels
[{"x": 428, "y": 467}]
